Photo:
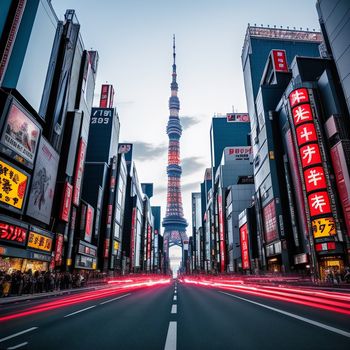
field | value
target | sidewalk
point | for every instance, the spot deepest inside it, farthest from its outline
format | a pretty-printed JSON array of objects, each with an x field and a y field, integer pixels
[{"x": 25, "y": 297}]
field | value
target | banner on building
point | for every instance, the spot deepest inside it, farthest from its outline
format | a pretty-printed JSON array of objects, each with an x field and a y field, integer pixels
[
  {"x": 13, "y": 186},
  {"x": 79, "y": 169},
  {"x": 20, "y": 134},
  {"x": 66, "y": 202},
  {"x": 39, "y": 241},
  {"x": 12, "y": 231},
  {"x": 43, "y": 184},
  {"x": 237, "y": 118},
  {"x": 244, "y": 241}
]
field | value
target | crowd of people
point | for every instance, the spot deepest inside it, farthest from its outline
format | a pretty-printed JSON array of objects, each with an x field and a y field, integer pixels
[{"x": 18, "y": 283}]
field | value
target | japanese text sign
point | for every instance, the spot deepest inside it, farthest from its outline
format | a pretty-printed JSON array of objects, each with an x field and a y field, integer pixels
[
  {"x": 40, "y": 242},
  {"x": 13, "y": 186},
  {"x": 12, "y": 233}
]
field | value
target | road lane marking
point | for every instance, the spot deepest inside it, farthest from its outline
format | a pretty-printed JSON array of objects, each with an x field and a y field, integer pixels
[
  {"x": 174, "y": 309},
  {"x": 77, "y": 312},
  {"x": 175, "y": 292},
  {"x": 17, "y": 346},
  {"x": 19, "y": 333},
  {"x": 108, "y": 301},
  {"x": 175, "y": 297},
  {"x": 304, "y": 319},
  {"x": 170, "y": 343}
]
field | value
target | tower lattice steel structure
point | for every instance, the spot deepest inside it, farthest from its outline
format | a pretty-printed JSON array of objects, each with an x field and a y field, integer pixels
[{"x": 174, "y": 222}]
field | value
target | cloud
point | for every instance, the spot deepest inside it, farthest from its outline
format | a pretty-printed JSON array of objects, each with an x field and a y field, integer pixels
[
  {"x": 148, "y": 151},
  {"x": 159, "y": 189},
  {"x": 188, "y": 121},
  {"x": 192, "y": 165},
  {"x": 190, "y": 186}
]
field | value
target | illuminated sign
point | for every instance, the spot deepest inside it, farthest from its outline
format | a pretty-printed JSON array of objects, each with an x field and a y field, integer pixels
[
  {"x": 58, "y": 249},
  {"x": 89, "y": 223},
  {"x": 311, "y": 159},
  {"x": 66, "y": 202},
  {"x": 221, "y": 235},
  {"x": 243, "y": 233},
  {"x": 279, "y": 60},
  {"x": 13, "y": 233},
  {"x": 79, "y": 171},
  {"x": 13, "y": 186},
  {"x": 323, "y": 227},
  {"x": 239, "y": 153},
  {"x": 325, "y": 246},
  {"x": 115, "y": 245},
  {"x": 270, "y": 222},
  {"x": 132, "y": 238},
  {"x": 40, "y": 242},
  {"x": 20, "y": 135},
  {"x": 237, "y": 118}
]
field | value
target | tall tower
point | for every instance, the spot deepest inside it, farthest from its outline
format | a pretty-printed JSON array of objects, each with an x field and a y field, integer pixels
[{"x": 174, "y": 222}]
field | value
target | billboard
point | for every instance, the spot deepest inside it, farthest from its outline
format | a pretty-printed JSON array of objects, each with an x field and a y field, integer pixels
[
  {"x": 314, "y": 175},
  {"x": 66, "y": 202},
  {"x": 279, "y": 60},
  {"x": 14, "y": 233},
  {"x": 107, "y": 95},
  {"x": 79, "y": 169},
  {"x": 43, "y": 183},
  {"x": 13, "y": 186},
  {"x": 58, "y": 249},
  {"x": 20, "y": 135},
  {"x": 239, "y": 153},
  {"x": 237, "y": 118},
  {"x": 89, "y": 221},
  {"x": 39, "y": 240},
  {"x": 221, "y": 235},
  {"x": 270, "y": 222},
  {"x": 244, "y": 241}
]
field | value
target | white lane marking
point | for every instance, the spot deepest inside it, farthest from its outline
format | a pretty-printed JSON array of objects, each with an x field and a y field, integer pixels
[
  {"x": 304, "y": 319},
  {"x": 175, "y": 297},
  {"x": 77, "y": 312},
  {"x": 174, "y": 291},
  {"x": 170, "y": 343},
  {"x": 174, "y": 309},
  {"x": 17, "y": 346},
  {"x": 108, "y": 301},
  {"x": 17, "y": 334}
]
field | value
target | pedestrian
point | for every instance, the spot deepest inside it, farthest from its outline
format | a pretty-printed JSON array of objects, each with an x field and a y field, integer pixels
[{"x": 6, "y": 286}]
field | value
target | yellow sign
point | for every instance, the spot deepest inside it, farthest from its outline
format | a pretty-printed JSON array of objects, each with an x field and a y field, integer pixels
[
  {"x": 40, "y": 242},
  {"x": 323, "y": 227},
  {"x": 94, "y": 266},
  {"x": 69, "y": 262},
  {"x": 116, "y": 245},
  {"x": 13, "y": 185}
]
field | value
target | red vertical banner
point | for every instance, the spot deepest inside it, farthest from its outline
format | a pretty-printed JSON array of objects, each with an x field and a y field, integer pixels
[
  {"x": 132, "y": 237},
  {"x": 58, "y": 249},
  {"x": 221, "y": 235},
  {"x": 89, "y": 221},
  {"x": 279, "y": 60},
  {"x": 79, "y": 169},
  {"x": 66, "y": 202},
  {"x": 149, "y": 231},
  {"x": 244, "y": 240}
]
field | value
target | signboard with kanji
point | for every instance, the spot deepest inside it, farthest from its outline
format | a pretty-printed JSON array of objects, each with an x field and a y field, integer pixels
[
  {"x": 13, "y": 186},
  {"x": 12, "y": 233},
  {"x": 323, "y": 227},
  {"x": 39, "y": 242}
]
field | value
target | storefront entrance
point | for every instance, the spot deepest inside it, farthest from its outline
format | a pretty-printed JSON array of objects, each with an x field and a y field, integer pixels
[
  {"x": 9, "y": 265},
  {"x": 330, "y": 265},
  {"x": 274, "y": 264}
]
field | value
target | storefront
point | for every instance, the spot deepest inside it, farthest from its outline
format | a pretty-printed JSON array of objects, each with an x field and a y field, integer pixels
[
  {"x": 23, "y": 247},
  {"x": 86, "y": 256},
  {"x": 274, "y": 258}
]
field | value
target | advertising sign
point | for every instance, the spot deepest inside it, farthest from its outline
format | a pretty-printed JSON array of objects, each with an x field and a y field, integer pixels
[
  {"x": 12, "y": 233},
  {"x": 39, "y": 242},
  {"x": 237, "y": 118},
  {"x": 58, "y": 249},
  {"x": 239, "y": 153},
  {"x": 243, "y": 234},
  {"x": 279, "y": 60},
  {"x": 323, "y": 227},
  {"x": 79, "y": 169},
  {"x": 20, "y": 135},
  {"x": 66, "y": 202},
  {"x": 132, "y": 238},
  {"x": 270, "y": 222},
  {"x": 13, "y": 186},
  {"x": 43, "y": 183},
  {"x": 222, "y": 236},
  {"x": 89, "y": 223}
]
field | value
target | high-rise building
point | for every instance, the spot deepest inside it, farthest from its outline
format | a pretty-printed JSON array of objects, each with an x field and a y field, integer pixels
[
  {"x": 196, "y": 229},
  {"x": 174, "y": 222},
  {"x": 232, "y": 129}
]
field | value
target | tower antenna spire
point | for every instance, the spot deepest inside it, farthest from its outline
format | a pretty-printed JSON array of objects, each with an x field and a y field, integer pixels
[{"x": 174, "y": 53}]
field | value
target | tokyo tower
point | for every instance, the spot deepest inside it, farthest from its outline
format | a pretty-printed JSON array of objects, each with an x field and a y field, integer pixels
[{"x": 174, "y": 222}]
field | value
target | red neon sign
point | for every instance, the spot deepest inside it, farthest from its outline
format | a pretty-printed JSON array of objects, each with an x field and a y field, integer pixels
[
  {"x": 319, "y": 203},
  {"x": 306, "y": 133},
  {"x": 132, "y": 238},
  {"x": 222, "y": 235},
  {"x": 280, "y": 60},
  {"x": 298, "y": 96},
  {"x": 12, "y": 233},
  {"x": 314, "y": 179},
  {"x": 243, "y": 233},
  {"x": 79, "y": 169},
  {"x": 302, "y": 114},
  {"x": 66, "y": 202},
  {"x": 310, "y": 155}
]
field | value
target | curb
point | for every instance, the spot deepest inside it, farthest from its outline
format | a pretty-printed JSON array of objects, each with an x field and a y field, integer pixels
[{"x": 11, "y": 300}]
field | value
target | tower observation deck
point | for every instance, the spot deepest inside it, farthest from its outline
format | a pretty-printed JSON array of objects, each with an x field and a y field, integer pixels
[{"x": 174, "y": 222}]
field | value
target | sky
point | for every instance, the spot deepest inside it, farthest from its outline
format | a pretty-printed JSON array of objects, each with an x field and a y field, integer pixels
[{"x": 134, "y": 41}]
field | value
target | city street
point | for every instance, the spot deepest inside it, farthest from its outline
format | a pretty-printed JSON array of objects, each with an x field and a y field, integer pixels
[{"x": 173, "y": 316}]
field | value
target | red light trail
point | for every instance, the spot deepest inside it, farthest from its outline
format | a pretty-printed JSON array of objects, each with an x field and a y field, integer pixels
[{"x": 124, "y": 285}]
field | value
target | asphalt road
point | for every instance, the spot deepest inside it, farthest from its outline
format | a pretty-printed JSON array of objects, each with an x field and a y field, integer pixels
[{"x": 176, "y": 317}]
